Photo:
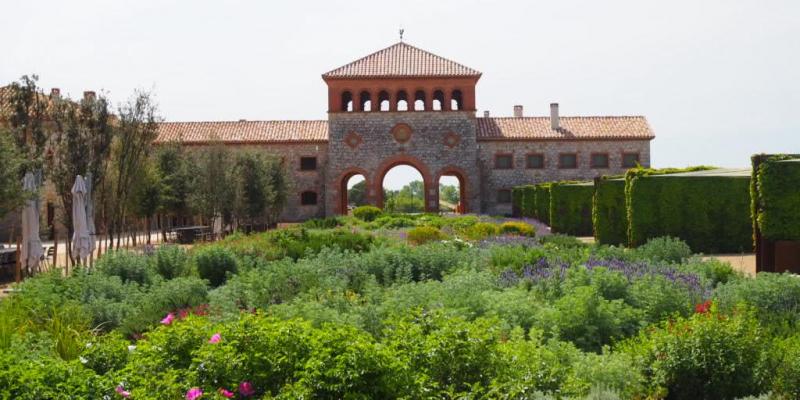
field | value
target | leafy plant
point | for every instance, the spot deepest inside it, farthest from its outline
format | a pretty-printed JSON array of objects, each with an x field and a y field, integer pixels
[
  {"x": 214, "y": 263},
  {"x": 517, "y": 228},
  {"x": 367, "y": 213},
  {"x": 424, "y": 234}
]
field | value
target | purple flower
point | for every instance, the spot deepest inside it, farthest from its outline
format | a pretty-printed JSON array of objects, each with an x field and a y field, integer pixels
[
  {"x": 215, "y": 338},
  {"x": 122, "y": 392}
]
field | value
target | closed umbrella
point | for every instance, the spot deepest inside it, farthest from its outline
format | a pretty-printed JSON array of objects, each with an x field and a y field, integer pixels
[
  {"x": 90, "y": 212},
  {"x": 31, "y": 251},
  {"x": 80, "y": 237}
]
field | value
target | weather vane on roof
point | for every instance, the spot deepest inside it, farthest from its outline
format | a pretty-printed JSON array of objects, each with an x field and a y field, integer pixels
[{"x": 402, "y": 31}]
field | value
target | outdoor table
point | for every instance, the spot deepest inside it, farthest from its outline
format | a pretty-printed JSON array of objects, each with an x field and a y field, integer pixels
[{"x": 188, "y": 234}]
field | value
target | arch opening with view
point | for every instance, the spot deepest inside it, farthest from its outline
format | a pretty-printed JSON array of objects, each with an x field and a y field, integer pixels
[
  {"x": 451, "y": 194},
  {"x": 403, "y": 189},
  {"x": 354, "y": 192}
]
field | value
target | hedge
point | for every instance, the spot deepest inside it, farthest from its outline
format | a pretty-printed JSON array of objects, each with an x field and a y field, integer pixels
[
  {"x": 542, "y": 202},
  {"x": 528, "y": 201},
  {"x": 609, "y": 216},
  {"x": 710, "y": 212},
  {"x": 571, "y": 208},
  {"x": 776, "y": 197},
  {"x": 516, "y": 201}
]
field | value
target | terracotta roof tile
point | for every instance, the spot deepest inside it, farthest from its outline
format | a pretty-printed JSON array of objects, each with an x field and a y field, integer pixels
[
  {"x": 571, "y": 128},
  {"x": 401, "y": 60},
  {"x": 243, "y": 131}
]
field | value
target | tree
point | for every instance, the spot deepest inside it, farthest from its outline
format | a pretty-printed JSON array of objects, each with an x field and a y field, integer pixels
[
  {"x": 27, "y": 121},
  {"x": 134, "y": 134},
  {"x": 356, "y": 195},
  {"x": 449, "y": 193},
  {"x": 11, "y": 194},
  {"x": 260, "y": 188},
  {"x": 146, "y": 197},
  {"x": 172, "y": 165},
  {"x": 211, "y": 189}
]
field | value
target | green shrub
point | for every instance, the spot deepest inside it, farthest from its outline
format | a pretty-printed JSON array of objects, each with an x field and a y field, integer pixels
[
  {"x": 714, "y": 272},
  {"x": 542, "y": 202},
  {"x": 481, "y": 230},
  {"x": 516, "y": 201},
  {"x": 784, "y": 367},
  {"x": 323, "y": 223},
  {"x": 609, "y": 216},
  {"x": 527, "y": 195},
  {"x": 707, "y": 356},
  {"x": 171, "y": 261},
  {"x": 425, "y": 234},
  {"x": 128, "y": 266},
  {"x": 517, "y": 228},
  {"x": 775, "y": 296},
  {"x": 148, "y": 308},
  {"x": 571, "y": 208},
  {"x": 711, "y": 213},
  {"x": 214, "y": 263},
  {"x": 303, "y": 243},
  {"x": 394, "y": 221},
  {"x": 106, "y": 353},
  {"x": 561, "y": 241},
  {"x": 367, "y": 213},
  {"x": 665, "y": 249},
  {"x": 659, "y": 298},
  {"x": 775, "y": 205}
]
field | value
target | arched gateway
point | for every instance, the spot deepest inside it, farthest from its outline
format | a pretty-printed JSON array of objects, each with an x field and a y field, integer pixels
[{"x": 405, "y": 106}]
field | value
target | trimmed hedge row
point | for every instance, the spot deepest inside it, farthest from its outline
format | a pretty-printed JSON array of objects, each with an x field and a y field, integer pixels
[
  {"x": 609, "y": 215},
  {"x": 528, "y": 201},
  {"x": 711, "y": 213},
  {"x": 541, "y": 195},
  {"x": 571, "y": 208},
  {"x": 516, "y": 201},
  {"x": 775, "y": 193}
]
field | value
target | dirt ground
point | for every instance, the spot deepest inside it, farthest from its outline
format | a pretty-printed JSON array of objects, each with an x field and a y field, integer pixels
[{"x": 741, "y": 262}]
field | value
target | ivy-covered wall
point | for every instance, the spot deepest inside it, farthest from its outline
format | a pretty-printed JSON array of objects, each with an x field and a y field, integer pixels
[
  {"x": 609, "y": 216},
  {"x": 571, "y": 208},
  {"x": 542, "y": 202},
  {"x": 777, "y": 203},
  {"x": 711, "y": 213},
  {"x": 528, "y": 201}
]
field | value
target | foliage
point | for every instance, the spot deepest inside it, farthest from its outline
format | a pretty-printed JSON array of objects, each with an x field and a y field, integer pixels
[
  {"x": 777, "y": 206},
  {"x": 449, "y": 193},
  {"x": 707, "y": 356},
  {"x": 128, "y": 266},
  {"x": 527, "y": 200},
  {"x": 425, "y": 234},
  {"x": 665, "y": 249},
  {"x": 561, "y": 241},
  {"x": 711, "y": 213},
  {"x": 541, "y": 195},
  {"x": 146, "y": 197},
  {"x": 324, "y": 223},
  {"x": 209, "y": 195},
  {"x": 481, "y": 230},
  {"x": 517, "y": 228},
  {"x": 172, "y": 166},
  {"x": 260, "y": 187},
  {"x": 776, "y": 297},
  {"x": 609, "y": 216},
  {"x": 409, "y": 199},
  {"x": 571, "y": 208},
  {"x": 27, "y": 119},
  {"x": 214, "y": 263},
  {"x": 11, "y": 194},
  {"x": 171, "y": 261},
  {"x": 356, "y": 195},
  {"x": 367, "y": 213}
]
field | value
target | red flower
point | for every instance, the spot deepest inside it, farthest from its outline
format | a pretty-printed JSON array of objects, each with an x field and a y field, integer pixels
[{"x": 703, "y": 307}]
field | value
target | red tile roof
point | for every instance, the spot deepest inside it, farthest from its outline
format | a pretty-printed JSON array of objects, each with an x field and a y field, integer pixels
[
  {"x": 243, "y": 132},
  {"x": 401, "y": 60},
  {"x": 571, "y": 128}
]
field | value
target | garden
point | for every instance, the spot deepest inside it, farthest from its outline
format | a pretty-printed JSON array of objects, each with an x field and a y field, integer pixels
[{"x": 384, "y": 306}]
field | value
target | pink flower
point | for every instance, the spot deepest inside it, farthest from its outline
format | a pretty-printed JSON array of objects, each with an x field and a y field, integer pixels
[
  {"x": 215, "y": 338},
  {"x": 246, "y": 389},
  {"x": 122, "y": 392},
  {"x": 225, "y": 393},
  {"x": 194, "y": 393},
  {"x": 168, "y": 319}
]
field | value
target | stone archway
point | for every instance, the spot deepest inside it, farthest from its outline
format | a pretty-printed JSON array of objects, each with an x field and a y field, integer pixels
[
  {"x": 430, "y": 187},
  {"x": 461, "y": 175},
  {"x": 343, "y": 179}
]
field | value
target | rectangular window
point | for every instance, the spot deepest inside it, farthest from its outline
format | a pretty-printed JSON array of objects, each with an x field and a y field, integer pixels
[
  {"x": 600, "y": 160},
  {"x": 504, "y": 196},
  {"x": 535, "y": 161},
  {"x": 568, "y": 160},
  {"x": 308, "y": 163},
  {"x": 630, "y": 160},
  {"x": 308, "y": 198},
  {"x": 503, "y": 161}
]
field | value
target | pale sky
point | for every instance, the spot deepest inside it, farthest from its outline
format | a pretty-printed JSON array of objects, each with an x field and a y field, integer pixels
[{"x": 718, "y": 80}]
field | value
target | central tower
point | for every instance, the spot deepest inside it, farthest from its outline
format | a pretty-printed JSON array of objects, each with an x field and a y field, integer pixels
[{"x": 401, "y": 105}]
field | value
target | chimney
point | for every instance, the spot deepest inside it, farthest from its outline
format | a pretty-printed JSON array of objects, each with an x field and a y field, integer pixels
[
  {"x": 242, "y": 120},
  {"x": 517, "y": 111},
  {"x": 486, "y": 114},
  {"x": 55, "y": 92},
  {"x": 554, "y": 118},
  {"x": 89, "y": 95}
]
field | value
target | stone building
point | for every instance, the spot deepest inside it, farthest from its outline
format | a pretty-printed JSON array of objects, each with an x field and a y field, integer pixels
[{"x": 405, "y": 106}]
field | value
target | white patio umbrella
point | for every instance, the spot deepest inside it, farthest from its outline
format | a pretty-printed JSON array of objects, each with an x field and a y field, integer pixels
[
  {"x": 90, "y": 212},
  {"x": 31, "y": 251},
  {"x": 80, "y": 237}
]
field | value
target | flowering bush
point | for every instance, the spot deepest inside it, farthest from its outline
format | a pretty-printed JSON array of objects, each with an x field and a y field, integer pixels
[
  {"x": 367, "y": 213},
  {"x": 425, "y": 234},
  {"x": 517, "y": 228}
]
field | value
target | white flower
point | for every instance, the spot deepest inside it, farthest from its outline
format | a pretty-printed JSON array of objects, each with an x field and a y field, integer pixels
[
  {"x": 132, "y": 347},
  {"x": 83, "y": 360}
]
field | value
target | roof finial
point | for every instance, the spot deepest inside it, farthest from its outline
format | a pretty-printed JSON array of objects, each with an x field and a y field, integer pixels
[{"x": 402, "y": 31}]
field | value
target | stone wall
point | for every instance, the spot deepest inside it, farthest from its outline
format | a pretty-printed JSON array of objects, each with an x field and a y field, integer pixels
[
  {"x": 371, "y": 143},
  {"x": 497, "y": 179}
]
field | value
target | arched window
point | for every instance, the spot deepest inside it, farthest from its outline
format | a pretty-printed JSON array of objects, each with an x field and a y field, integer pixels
[
  {"x": 419, "y": 101},
  {"x": 402, "y": 101},
  {"x": 308, "y": 198},
  {"x": 383, "y": 100},
  {"x": 366, "y": 101},
  {"x": 347, "y": 101},
  {"x": 456, "y": 101},
  {"x": 438, "y": 100}
]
